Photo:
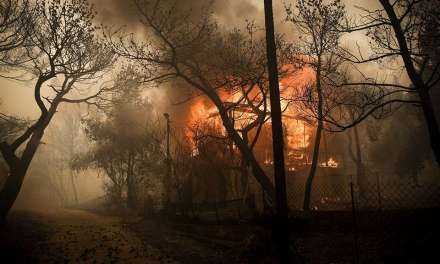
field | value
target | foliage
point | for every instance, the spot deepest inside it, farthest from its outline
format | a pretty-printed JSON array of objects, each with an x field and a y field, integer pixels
[
  {"x": 196, "y": 52},
  {"x": 10, "y": 126},
  {"x": 127, "y": 143},
  {"x": 61, "y": 52},
  {"x": 16, "y": 25}
]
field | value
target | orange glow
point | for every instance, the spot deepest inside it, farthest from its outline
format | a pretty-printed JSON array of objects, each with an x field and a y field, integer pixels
[
  {"x": 331, "y": 163},
  {"x": 298, "y": 133},
  {"x": 201, "y": 111}
]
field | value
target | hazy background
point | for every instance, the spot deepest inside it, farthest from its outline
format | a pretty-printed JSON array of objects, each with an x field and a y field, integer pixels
[{"x": 17, "y": 96}]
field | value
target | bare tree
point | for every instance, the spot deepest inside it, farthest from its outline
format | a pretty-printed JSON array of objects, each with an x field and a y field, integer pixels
[
  {"x": 64, "y": 56},
  {"x": 405, "y": 30},
  {"x": 16, "y": 24},
  {"x": 318, "y": 23},
  {"x": 10, "y": 126},
  {"x": 357, "y": 157},
  {"x": 195, "y": 52}
]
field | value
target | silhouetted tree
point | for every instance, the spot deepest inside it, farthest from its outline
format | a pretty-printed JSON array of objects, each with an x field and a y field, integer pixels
[
  {"x": 356, "y": 156},
  {"x": 281, "y": 225},
  {"x": 64, "y": 56},
  {"x": 16, "y": 25},
  {"x": 10, "y": 126},
  {"x": 407, "y": 30},
  {"x": 318, "y": 23},
  {"x": 195, "y": 52}
]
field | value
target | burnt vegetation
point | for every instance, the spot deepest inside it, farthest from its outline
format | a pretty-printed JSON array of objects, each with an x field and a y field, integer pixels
[{"x": 307, "y": 133}]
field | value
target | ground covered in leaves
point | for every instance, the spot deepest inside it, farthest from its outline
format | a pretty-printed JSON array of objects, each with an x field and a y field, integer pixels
[
  {"x": 74, "y": 236},
  {"x": 83, "y": 236}
]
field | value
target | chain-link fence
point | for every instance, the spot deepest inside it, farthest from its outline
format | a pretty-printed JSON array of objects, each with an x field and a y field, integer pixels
[
  {"x": 374, "y": 221},
  {"x": 373, "y": 194}
]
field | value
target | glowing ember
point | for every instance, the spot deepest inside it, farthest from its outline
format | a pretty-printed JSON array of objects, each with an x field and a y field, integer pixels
[
  {"x": 331, "y": 163},
  {"x": 268, "y": 162}
]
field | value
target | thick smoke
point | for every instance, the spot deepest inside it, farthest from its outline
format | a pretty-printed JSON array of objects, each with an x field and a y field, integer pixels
[
  {"x": 227, "y": 11},
  {"x": 116, "y": 12}
]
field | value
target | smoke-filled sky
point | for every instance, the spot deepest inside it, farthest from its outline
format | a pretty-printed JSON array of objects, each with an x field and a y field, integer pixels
[
  {"x": 16, "y": 97},
  {"x": 228, "y": 12}
]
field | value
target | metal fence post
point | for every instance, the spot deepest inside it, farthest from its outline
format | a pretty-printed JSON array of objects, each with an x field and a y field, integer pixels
[
  {"x": 216, "y": 212},
  {"x": 239, "y": 210},
  {"x": 355, "y": 227}
]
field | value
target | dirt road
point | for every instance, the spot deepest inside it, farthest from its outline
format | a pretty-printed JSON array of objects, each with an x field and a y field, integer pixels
[{"x": 74, "y": 236}]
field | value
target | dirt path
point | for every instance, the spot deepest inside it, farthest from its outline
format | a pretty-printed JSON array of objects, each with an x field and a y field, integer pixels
[{"x": 74, "y": 236}]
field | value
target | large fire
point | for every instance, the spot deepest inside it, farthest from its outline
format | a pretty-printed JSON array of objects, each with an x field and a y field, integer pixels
[{"x": 297, "y": 131}]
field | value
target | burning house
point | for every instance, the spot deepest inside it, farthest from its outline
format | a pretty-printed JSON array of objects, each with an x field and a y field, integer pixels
[{"x": 232, "y": 178}]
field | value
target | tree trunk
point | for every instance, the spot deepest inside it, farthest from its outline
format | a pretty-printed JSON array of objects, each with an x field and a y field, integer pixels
[
  {"x": 360, "y": 167},
  {"x": 416, "y": 79},
  {"x": 167, "y": 179},
  {"x": 18, "y": 166},
  {"x": 244, "y": 171},
  {"x": 74, "y": 189},
  {"x": 245, "y": 150},
  {"x": 17, "y": 170},
  {"x": 431, "y": 122},
  {"x": 313, "y": 167},
  {"x": 131, "y": 201},
  {"x": 281, "y": 227},
  {"x": 13, "y": 182},
  {"x": 10, "y": 191},
  {"x": 315, "y": 159}
]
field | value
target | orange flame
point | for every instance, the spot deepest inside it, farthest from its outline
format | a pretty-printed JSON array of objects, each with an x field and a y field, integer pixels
[
  {"x": 298, "y": 132},
  {"x": 331, "y": 163}
]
